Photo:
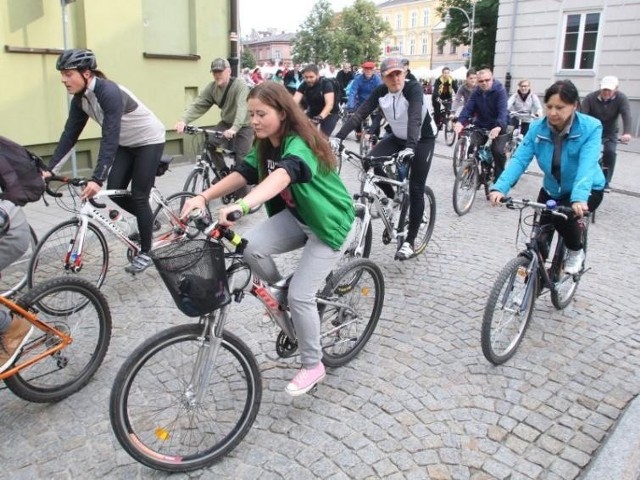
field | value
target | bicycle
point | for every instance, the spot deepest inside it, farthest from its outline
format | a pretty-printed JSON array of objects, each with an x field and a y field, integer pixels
[
  {"x": 475, "y": 171},
  {"x": 445, "y": 122},
  {"x": 371, "y": 200},
  {"x": 72, "y": 332},
  {"x": 605, "y": 170},
  {"x": 78, "y": 247},
  {"x": 187, "y": 396},
  {"x": 527, "y": 276},
  {"x": 14, "y": 277},
  {"x": 515, "y": 132}
]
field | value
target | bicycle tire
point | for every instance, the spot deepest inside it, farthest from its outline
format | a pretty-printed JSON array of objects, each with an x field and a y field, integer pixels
[
  {"x": 198, "y": 180},
  {"x": 152, "y": 382},
  {"x": 449, "y": 134},
  {"x": 345, "y": 326},
  {"x": 86, "y": 316},
  {"x": 460, "y": 153},
  {"x": 15, "y": 276},
  {"x": 428, "y": 223},
  {"x": 48, "y": 261},
  {"x": 465, "y": 187},
  {"x": 516, "y": 285},
  {"x": 165, "y": 223},
  {"x": 565, "y": 285},
  {"x": 360, "y": 246}
]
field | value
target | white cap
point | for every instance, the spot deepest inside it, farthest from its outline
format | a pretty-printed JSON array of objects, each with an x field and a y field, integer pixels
[{"x": 609, "y": 83}]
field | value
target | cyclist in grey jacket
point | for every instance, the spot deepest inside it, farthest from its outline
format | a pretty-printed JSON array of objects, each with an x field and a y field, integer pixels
[
  {"x": 131, "y": 146},
  {"x": 412, "y": 136}
]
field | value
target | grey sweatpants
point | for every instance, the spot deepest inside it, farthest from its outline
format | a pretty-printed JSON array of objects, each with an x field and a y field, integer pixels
[
  {"x": 12, "y": 245},
  {"x": 284, "y": 233}
]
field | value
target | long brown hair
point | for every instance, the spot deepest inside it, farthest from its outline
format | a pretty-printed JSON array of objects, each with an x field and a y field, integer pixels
[{"x": 295, "y": 122}]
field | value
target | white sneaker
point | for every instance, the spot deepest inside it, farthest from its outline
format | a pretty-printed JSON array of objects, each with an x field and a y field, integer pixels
[
  {"x": 406, "y": 252},
  {"x": 573, "y": 261}
]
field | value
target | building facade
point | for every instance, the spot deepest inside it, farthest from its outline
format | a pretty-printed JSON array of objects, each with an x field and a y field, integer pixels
[
  {"x": 580, "y": 40},
  {"x": 160, "y": 50},
  {"x": 270, "y": 48}
]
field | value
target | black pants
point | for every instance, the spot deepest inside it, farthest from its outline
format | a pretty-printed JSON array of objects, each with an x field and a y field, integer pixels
[
  {"x": 137, "y": 165},
  {"x": 418, "y": 172},
  {"x": 569, "y": 229},
  {"x": 609, "y": 145}
]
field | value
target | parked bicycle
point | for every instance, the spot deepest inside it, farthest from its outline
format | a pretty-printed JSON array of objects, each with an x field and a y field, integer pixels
[
  {"x": 189, "y": 394},
  {"x": 474, "y": 172},
  {"x": 372, "y": 202},
  {"x": 72, "y": 331},
  {"x": 78, "y": 246},
  {"x": 526, "y": 277}
]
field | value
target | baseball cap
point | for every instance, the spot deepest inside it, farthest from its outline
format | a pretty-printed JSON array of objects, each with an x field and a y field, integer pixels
[
  {"x": 219, "y": 64},
  {"x": 609, "y": 83},
  {"x": 391, "y": 64},
  {"x": 368, "y": 64}
]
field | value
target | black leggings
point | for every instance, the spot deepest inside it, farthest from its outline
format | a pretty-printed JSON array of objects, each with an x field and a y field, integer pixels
[
  {"x": 569, "y": 229},
  {"x": 137, "y": 165},
  {"x": 420, "y": 165}
]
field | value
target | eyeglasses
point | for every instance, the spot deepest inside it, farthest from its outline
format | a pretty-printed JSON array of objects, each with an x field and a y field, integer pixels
[
  {"x": 485, "y": 81},
  {"x": 524, "y": 86}
]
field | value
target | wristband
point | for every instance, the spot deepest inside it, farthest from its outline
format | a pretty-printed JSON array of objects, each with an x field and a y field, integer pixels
[
  {"x": 243, "y": 205},
  {"x": 206, "y": 202}
]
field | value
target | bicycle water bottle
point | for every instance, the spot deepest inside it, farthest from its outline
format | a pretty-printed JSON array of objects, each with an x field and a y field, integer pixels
[{"x": 117, "y": 218}]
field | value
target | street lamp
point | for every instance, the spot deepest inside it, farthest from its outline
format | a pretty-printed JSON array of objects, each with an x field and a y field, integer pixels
[{"x": 471, "y": 23}]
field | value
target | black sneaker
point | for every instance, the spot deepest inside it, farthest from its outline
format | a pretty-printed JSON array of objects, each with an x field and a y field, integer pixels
[{"x": 139, "y": 264}]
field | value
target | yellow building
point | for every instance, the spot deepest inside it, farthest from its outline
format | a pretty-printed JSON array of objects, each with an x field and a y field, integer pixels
[
  {"x": 160, "y": 50},
  {"x": 416, "y": 28}
]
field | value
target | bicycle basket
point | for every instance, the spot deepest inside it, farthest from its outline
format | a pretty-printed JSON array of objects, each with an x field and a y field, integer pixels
[{"x": 195, "y": 275}]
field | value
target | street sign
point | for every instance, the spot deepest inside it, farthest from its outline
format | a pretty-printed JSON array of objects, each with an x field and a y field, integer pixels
[{"x": 466, "y": 54}]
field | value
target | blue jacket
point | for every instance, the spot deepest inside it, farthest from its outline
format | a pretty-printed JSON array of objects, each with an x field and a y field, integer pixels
[
  {"x": 580, "y": 171},
  {"x": 488, "y": 108},
  {"x": 361, "y": 89}
]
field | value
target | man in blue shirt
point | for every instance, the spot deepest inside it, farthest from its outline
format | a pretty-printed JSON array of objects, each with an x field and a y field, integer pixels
[{"x": 361, "y": 89}]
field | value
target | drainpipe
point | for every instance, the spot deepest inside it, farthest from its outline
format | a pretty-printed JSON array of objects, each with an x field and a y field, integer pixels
[
  {"x": 234, "y": 60},
  {"x": 514, "y": 15}
]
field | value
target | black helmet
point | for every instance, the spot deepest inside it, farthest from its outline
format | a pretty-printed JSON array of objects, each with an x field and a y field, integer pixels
[{"x": 77, "y": 59}]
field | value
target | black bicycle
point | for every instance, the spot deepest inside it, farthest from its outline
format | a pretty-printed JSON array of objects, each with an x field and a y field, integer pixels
[
  {"x": 475, "y": 171},
  {"x": 526, "y": 277},
  {"x": 445, "y": 122}
]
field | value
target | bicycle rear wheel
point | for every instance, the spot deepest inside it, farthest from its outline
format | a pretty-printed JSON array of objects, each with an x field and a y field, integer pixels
[
  {"x": 15, "y": 276},
  {"x": 460, "y": 153},
  {"x": 51, "y": 257},
  {"x": 349, "y": 310},
  {"x": 75, "y": 307},
  {"x": 166, "y": 220},
  {"x": 428, "y": 221},
  {"x": 154, "y": 412},
  {"x": 465, "y": 187},
  {"x": 508, "y": 310},
  {"x": 565, "y": 285},
  {"x": 199, "y": 180},
  {"x": 449, "y": 134}
]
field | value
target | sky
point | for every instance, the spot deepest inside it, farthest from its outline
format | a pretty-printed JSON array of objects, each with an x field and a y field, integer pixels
[{"x": 285, "y": 15}]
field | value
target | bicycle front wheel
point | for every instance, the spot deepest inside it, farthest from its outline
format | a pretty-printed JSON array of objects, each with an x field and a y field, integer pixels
[
  {"x": 154, "y": 410},
  {"x": 15, "y": 276},
  {"x": 460, "y": 153},
  {"x": 75, "y": 307},
  {"x": 465, "y": 187},
  {"x": 449, "y": 134},
  {"x": 198, "y": 180},
  {"x": 349, "y": 307},
  {"x": 428, "y": 222},
  {"x": 508, "y": 310},
  {"x": 51, "y": 258}
]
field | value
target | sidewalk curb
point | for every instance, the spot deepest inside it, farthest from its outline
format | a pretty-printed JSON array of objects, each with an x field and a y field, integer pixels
[{"x": 619, "y": 456}]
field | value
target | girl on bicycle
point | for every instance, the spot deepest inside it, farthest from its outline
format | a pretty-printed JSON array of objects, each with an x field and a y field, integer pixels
[
  {"x": 293, "y": 168},
  {"x": 566, "y": 144},
  {"x": 131, "y": 146}
]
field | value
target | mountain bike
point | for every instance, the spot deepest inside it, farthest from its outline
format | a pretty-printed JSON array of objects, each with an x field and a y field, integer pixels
[
  {"x": 371, "y": 201},
  {"x": 468, "y": 141},
  {"x": 526, "y": 277},
  {"x": 72, "y": 331},
  {"x": 188, "y": 395},
  {"x": 445, "y": 122},
  {"x": 474, "y": 172},
  {"x": 78, "y": 247},
  {"x": 14, "y": 277}
]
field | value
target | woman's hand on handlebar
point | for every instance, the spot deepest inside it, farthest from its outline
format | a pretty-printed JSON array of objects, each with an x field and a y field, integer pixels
[
  {"x": 225, "y": 211},
  {"x": 579, "y": 208},
  {"x": 495, "y": 197},
  {"x": 198, "y": 202}
]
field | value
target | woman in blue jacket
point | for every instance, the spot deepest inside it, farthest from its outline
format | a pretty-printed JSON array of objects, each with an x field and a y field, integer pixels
[{"x": 566, "y": 145}]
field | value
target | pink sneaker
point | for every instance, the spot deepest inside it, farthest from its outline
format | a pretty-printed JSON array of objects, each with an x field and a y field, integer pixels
[{"x": 305, "y": 380}]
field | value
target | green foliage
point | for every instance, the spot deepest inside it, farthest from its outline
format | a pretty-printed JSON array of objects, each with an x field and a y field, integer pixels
[
  {"x": 354, "y": 35},
  {"x": 247, "y": 59},
  {"x": 485, "y": 26}
]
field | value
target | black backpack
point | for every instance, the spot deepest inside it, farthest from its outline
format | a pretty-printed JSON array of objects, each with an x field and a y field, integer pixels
[
  {"x": 20, "y": 173},
  {"x": 337, "y": 92}
]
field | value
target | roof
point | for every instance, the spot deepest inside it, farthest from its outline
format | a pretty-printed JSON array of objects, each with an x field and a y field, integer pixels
[
  {"x": 393, "y": 3},
  {"x": 281, "y": 37}
]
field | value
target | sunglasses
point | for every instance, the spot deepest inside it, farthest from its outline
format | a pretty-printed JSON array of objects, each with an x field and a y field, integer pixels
[{"x": 485, "y": 81}]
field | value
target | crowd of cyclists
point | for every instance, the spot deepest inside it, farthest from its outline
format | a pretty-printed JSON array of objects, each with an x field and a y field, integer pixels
[{"x": 285, "y": 138}]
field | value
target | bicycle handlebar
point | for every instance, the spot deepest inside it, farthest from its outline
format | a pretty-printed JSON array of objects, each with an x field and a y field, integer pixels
[
  {"x": 76, "y": 182},
  {"x": 216, "y": 231},
  {"x": 193, "y": 130},
  {"x": 369, "y": 161},
  {"x": 551, "y": 206}
]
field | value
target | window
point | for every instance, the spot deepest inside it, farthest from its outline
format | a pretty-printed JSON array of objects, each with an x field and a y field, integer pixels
[
  {"x": 424, "y": 45},
  {"x": 440, "y": 49},
  {"x": 580, "y": 41},
  {"x": 400, "y": 46},
  {"x": 453, "y": 48},
  {"x": 414, "y": 19},
  {"x": 425, "y": 17},
  {"x": 277, "y": 54},
  {"x": 412, "y": 46},
  {"x": 398, "y": 22},
  {"x": 160, "y": 17}
]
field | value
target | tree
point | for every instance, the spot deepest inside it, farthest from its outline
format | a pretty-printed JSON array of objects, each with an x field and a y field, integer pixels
[
  {"x": 247, "y": 59},
  {"x": 360, "y": 33},
  {"x": 315, "y": 42},
  {"x": 485, "y": 26}
]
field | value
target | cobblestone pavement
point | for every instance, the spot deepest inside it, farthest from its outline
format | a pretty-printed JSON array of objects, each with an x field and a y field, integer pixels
[{"x": 420, "y": 401}]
